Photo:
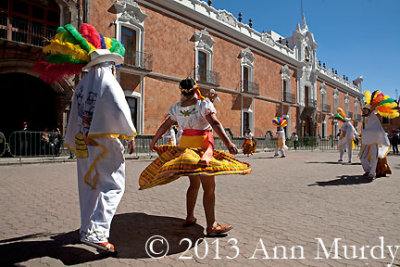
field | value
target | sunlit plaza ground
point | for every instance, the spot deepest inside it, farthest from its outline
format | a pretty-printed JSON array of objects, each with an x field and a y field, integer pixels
[{"x": 304, "y": 210}]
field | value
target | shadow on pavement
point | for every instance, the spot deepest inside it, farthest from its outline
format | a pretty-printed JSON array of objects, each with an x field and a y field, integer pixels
[
  {"x": 129, "y": 233},
  {"x": 344, "y": 180},
  {"x": 333, "y": 162}
]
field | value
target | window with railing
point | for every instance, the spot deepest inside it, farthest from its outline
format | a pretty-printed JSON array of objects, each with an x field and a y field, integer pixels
[
  {"x": 326, "y": 108},
  {"x": 133, "y": 57},
  {"x": 311, "y": 103},
  {"x": 288, "y": 97},
  {"x": 30, "y": 22},
  {"x": 350, "y": 115},
  {"x": 247, "y": 84}
]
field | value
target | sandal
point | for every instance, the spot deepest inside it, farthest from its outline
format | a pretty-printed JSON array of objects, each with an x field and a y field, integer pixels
[
  {"x": 105, "y": 246},
  {"x": 189, "y": 223},
  {"x": 218, "y": 230}
]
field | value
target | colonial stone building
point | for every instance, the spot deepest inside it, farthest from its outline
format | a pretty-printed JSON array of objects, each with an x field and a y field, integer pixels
[{"x": 257, "y": 75}]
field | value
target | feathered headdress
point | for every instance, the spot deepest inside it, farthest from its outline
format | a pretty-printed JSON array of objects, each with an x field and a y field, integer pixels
[
  {"x": 383, "y": 104},
  {"x": 69, "y": 50},
  {"x": 340, "y": 114},
  {"x": 279, "y": 122}
]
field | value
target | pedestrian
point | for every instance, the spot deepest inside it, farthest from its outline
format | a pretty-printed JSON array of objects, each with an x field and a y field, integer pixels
[
  {"x": 249, "y": 145},
  {"x": 169, "y": 137},
  {"x": 45, "y": 142},
  {"x": 195, "y": 156},
  {"x": 295, "y": 140},
  {"x": 395, "y": 141},
  {"x": 347, "y": 136},
  {"x": 213, "y": 97},
  {"x": 99, "y": 117},
  {"x": 280, "y": 136},
  {"x": 24, "y": 139},
  {"x": 374, "y": 143}
]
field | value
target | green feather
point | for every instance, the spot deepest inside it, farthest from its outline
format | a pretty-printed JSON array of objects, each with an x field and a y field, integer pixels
[
  {"x": 339, "y": 116},
  {"x": 117, "y": 47},
  {"x": 78, "y": 37},
  {"x": 389, "y": 100}
]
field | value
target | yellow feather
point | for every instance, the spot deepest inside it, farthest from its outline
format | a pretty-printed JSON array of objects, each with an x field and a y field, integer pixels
[
  {"x": 108, "y": 42},
  {"x": 59, "y": 47},
  {"x": 367, "y": 95}
]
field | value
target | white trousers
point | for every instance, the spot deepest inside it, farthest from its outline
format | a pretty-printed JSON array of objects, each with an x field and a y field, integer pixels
[
  {"x": 349, "y": 148},
  {"x": 98, "y": 205},
  {"x": 369, "y": 160}
]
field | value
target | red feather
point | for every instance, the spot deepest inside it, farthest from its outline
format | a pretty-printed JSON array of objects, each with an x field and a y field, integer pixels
[
  {"x": 51, "y": 73},
  {"x": 90, "y": 34}
]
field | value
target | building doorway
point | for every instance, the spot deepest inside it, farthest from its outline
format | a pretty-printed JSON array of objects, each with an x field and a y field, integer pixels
[{"x": 26, "y": 99}]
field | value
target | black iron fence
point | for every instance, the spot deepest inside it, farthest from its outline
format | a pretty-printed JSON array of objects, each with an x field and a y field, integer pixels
[
  {"x": 311, "y": 103},
  {"x": 250, "y": 87},
  {"x": 35, "y": 144},
  {"x": 289, "y": 97},
  {"x": 50, "y": 144},
  {"x": 139, "y": 60},
  {"x": 208, "y": 76},
  {"x": 3, "y": 144},
  {"x": 326, "y": 108}
]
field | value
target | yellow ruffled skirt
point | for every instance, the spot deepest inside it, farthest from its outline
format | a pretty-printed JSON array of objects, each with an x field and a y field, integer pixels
[{"x": 185, "y": 159}]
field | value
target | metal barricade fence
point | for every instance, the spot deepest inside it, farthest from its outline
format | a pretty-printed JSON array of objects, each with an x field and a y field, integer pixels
[
  {"x": 3, "y": 144},
  {"x": 35, "y": 144}
]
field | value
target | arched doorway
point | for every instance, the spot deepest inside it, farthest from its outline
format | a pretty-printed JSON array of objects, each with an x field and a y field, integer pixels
[{"x": 26, "y": 98}]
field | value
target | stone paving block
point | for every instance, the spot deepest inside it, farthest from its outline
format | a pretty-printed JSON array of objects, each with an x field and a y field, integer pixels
[{"x": 288, "y": 202}]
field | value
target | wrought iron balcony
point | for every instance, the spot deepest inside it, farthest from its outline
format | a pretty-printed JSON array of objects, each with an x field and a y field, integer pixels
[
  {"x": 350, "y": 115},
  {"x": 139, "y": 60},
  {"x": 289, "y": 97},
  {"x": 357, "y": 117},
  {"x": 249, "y": 87},
  {"x": 311, "y": 103},
  {"x": 326, "y": 108},
  {"x": 24, "y": 31},
  {"x": 208, "y": 76}
]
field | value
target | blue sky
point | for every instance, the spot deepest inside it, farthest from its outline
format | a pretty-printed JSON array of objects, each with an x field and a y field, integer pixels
[{"x": 355, "y": 37}]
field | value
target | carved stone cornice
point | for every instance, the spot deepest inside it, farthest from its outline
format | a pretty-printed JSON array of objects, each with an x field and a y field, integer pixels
[
  {"x": 130, "y": 12},
  {"x": 247, "y": 56},
  {"x": 227, "y": 17},
  {"x": 203, "y": 39},
  {"x": 285, "y": 72}
]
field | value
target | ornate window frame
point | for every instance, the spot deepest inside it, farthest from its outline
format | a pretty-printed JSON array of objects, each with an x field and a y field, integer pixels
[
  {"x": 347, "y": 104},
  {"x": 335, "y": 100},
  {"x": 131, "y": 16},
  {"x": 285, "y": 77},
  {"x": 322, "y": 89},
  {"x": 204, "y": 43},
  {"x": 246, "y": 61}
]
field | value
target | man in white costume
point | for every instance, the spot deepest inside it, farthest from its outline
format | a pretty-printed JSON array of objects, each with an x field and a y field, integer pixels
[
  {"x": 99, "y": 117},
  {"x": 347, "y": 135},
  {"x": 281, "y": 143},
  {"x": 375, "y": 144}
]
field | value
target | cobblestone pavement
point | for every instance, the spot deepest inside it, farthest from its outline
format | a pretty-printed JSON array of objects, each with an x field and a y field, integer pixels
[{"x": 285, "y": 204}]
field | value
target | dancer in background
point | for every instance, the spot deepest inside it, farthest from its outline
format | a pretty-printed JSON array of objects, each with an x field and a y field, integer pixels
[
  {"x": 250, "y": 144},
  {"x": 375, "y": 144},
  {"x": 280, "y": 135},
  {"x": 347, "y": 136}
]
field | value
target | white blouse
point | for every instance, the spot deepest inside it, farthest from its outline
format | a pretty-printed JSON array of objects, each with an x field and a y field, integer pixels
[{"x": 192, "y": 117}]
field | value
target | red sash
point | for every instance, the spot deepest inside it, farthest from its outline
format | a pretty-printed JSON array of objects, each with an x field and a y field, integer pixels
[{"x": 208, "y": 142}]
